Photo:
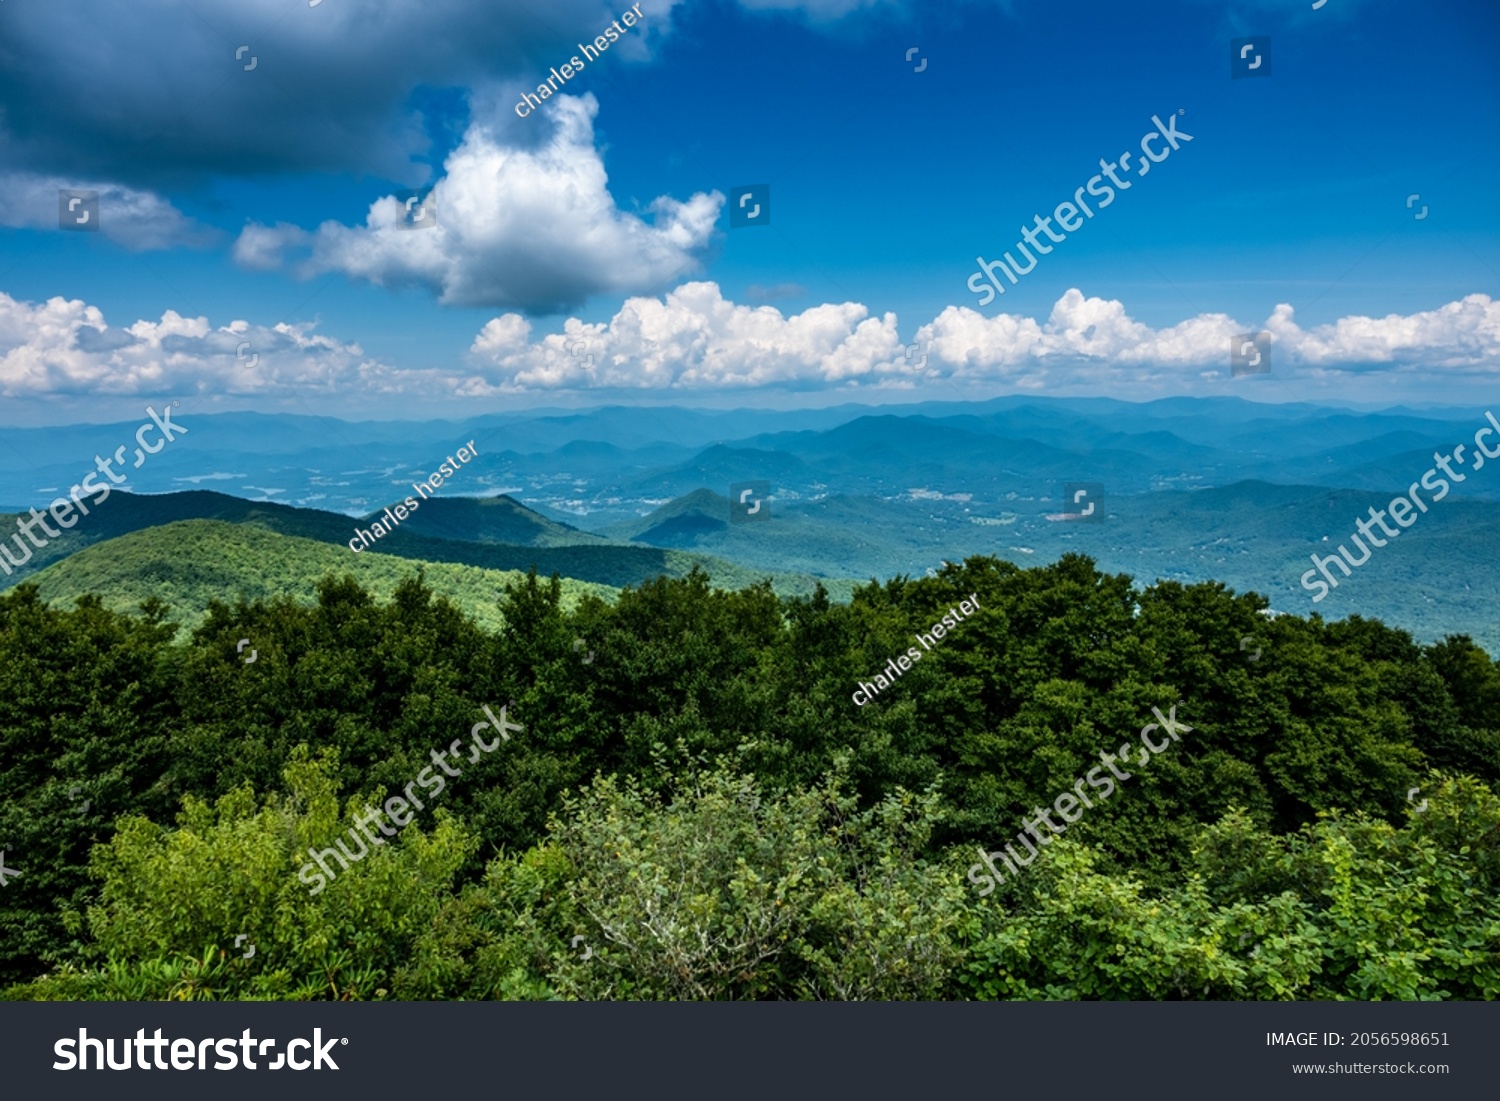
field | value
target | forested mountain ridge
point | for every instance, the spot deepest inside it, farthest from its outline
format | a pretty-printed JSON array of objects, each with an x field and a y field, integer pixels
[
  {"x": 536, "y": 542},
  {"x": 192, "y": 563}
]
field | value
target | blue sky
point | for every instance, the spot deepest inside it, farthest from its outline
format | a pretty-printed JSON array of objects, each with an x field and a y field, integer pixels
[{"x": 256, "y": 206}]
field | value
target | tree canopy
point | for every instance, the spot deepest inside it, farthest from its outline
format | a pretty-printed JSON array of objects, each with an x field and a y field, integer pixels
[{"x": 698, "y": 801}]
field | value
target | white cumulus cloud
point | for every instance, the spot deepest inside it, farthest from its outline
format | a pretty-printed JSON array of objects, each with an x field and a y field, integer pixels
[
  {"x": 262, "y": 248},
  {"x": 691, "y": 338},
  {"x": 1082, "y": 339},
  {"x": 1462, "y": 335},
  {"x": 65, "y": 347},
  {"x": 694, "y": 338},
  {"x": 529, "y": 229}
]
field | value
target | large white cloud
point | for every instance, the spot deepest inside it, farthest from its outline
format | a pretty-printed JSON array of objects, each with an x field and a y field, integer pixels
[
  {"x": 139, "y": 220},
  {"x": 1082, "y": 338},
  {"x": 533, "y": 229},
  {"x": 1463, "y": 335},
  {"x": 695, "y": 339},
  {"x": 64, "y": 347}
]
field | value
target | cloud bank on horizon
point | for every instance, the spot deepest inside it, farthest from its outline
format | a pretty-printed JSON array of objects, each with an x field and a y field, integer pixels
[{"x": 693, "y": 339}]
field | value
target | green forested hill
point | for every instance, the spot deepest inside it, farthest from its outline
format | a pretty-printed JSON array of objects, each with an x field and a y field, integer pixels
[
  {"x": 470, "y": 530},
  {"x": 192, "y": 562},
  {"x": 492, "y": 520}
]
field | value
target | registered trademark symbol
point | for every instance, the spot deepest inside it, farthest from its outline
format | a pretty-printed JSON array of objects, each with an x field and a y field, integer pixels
[
  {"x": 345, "y": 1040},
  {"x": 1182, "y": 110}
]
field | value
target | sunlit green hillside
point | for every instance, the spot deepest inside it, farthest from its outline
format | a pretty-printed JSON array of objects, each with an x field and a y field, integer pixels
[{"x": 190, "y": 562}]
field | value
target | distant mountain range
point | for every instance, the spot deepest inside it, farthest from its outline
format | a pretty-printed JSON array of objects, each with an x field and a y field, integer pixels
[
  {"x": 607, "y": 465},
  {"x": 1193, "y": 489}
]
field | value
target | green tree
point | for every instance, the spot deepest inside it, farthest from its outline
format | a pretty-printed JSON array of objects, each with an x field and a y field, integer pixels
[
  {"x": 174, "y": 901},
  {"x": 718, "y": 892}
]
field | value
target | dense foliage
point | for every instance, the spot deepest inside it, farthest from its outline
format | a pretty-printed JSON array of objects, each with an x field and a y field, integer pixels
[{"x": 697, "y": 806}]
